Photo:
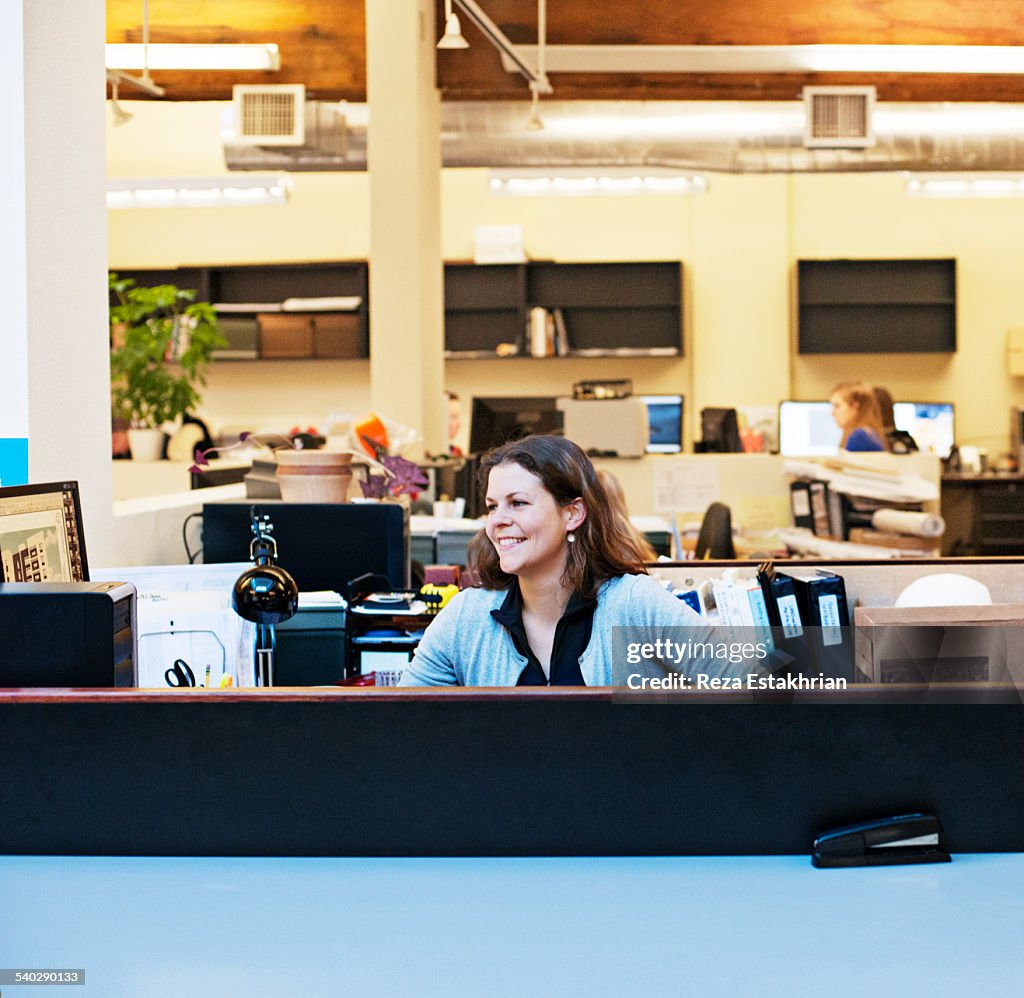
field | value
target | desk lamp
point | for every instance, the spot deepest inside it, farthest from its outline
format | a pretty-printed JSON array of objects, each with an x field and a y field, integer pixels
[{"x": 265, "y": 594}]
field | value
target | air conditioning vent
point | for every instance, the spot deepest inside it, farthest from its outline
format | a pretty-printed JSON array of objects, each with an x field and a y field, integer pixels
[
  {"x": 269, "y": 115},
  {"x": 838, "y": 117}
]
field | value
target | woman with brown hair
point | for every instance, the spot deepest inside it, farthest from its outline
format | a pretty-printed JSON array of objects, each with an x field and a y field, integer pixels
[
  {"x": 558, "y": 573},
  {"x": 855, "y": 410}
]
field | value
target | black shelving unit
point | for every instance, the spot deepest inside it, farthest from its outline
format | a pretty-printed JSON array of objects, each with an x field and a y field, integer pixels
[
  {"x": 336, "y": 334},
  {"x": 609, "y": 309},
  {"x": 876, "y": 306}
]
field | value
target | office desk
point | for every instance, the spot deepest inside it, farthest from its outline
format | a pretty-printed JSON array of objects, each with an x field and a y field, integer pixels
[
  {"x": 984, "y": 514},
  {"x": 162, "y": 927}
]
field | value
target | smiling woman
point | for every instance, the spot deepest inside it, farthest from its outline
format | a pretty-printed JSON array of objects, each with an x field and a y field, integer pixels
[{"x": 558, "y": 574}]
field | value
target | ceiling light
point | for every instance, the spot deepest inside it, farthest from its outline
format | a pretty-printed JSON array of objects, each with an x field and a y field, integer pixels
[
  {"x": 990, "y": 185},
  {"x": 452, "y": 37},
  {"x": 197, "y": 192},
  {"x": 774, "y": 58},
  {"x": 120, "y": 115},
  {"x": 161, "y": 56},
  {"x": 604, "y": 181}
]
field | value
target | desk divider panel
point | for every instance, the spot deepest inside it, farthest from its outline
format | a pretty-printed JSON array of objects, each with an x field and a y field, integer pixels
[{"x": 489, "y": 773}]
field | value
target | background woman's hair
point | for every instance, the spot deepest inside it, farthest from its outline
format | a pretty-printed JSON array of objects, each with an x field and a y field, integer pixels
[
  {"x": 603, "y": 548},
  {"x": 861, "y": 396}
]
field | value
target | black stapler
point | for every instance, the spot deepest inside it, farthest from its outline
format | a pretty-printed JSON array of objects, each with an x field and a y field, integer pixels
[{"x": 906, "y": 838}]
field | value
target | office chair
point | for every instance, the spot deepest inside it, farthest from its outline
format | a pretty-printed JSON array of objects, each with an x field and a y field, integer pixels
[{"x": 715, "y": 537}]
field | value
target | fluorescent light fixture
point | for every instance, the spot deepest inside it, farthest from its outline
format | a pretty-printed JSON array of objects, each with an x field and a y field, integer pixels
[
  {"x": 253, "y": 189},
  {"x": 600, "y": 181},
  {"x": 774, "y": 58},
  {"x": 978, "y": 185},
  {"x": 188, "y": 56}
]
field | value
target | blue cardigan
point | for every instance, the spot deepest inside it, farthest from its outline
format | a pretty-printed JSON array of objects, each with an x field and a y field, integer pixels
[
  {"x": 863, "y": 440},
  {"x": 465, "y": 646}
]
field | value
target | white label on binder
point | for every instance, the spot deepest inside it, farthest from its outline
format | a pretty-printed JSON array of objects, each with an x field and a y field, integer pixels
[
  {"x": 831, "y": 632},
  {"x": 790, "y": 616}
]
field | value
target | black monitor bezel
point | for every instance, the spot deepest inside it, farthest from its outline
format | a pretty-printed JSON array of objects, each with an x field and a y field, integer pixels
[
  {"x": 44, "y": 488},
  {"x": 547, "y": 403}
]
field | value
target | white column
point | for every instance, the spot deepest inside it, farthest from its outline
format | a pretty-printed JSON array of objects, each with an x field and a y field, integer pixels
[
  {"x": 406, "y": 276},
  {"x": 65, "y": 254},
  {"x": 14, "y": 331}
]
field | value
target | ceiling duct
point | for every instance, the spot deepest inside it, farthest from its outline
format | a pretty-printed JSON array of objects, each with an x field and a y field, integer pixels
[{"x": 719, "y": 136}]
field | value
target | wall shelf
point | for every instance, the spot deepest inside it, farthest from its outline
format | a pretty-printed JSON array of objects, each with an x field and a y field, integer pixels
[
  {"x": 876, "y": 306},
  {"x": 609, "y": 309},
  {"x": 249, "y": 299}
]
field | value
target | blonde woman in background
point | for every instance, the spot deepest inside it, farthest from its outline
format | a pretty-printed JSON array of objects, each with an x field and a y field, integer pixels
[
  {"x": 855, "y": 410},
  {"x": 617, "y": 504}
]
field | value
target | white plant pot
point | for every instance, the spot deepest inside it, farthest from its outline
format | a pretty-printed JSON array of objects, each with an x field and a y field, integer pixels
[{"x": 146, "y": 445}]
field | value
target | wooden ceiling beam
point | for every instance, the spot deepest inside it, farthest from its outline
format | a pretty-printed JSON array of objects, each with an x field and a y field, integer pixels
[{"x": 322, "y": 44}]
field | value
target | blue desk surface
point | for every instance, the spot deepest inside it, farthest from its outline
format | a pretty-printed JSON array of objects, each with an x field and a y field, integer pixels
[{"x": 149, "y": 928}]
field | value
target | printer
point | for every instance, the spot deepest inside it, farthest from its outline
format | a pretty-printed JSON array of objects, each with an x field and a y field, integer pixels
[{"x": 616, "y": 427}]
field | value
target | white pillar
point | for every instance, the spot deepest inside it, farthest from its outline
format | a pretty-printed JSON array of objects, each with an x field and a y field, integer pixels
[
  {"x": 14, "y": 331},
  {"x": 64, "y": 249},
  {"x": 404, "y": 161}
]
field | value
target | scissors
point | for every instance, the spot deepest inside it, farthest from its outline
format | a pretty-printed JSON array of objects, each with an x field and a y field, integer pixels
[{"x": 180, "y": 674}]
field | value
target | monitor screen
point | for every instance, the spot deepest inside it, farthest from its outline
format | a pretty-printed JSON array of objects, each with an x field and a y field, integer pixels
[
  {"x": 324, "y": 546},
  {"x": 665, "y": 423},
  {"x": 41, "y": 536},
  {"x": 929, "y": 423},
  {"x": 496, "y": 421},
  {"x": 807, "y": 429}
]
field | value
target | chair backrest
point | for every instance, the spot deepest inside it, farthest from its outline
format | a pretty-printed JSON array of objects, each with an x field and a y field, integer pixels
[{"x": 715, "y": 537}]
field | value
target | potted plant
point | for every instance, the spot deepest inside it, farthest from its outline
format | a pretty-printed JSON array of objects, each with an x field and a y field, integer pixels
[{"x": 161, "y": 340}]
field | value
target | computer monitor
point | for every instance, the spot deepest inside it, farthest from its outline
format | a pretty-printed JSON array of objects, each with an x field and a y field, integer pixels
[
  {"x": 324, "y": 546},
  {"x": 496, "y": 421},
  {"x": 807, "y": 429},
  {"x": 929, "y": 423},
  {"x": 720, "y": 431},
  {"x": 665, "y": 422},
  {"x": 41, "y": 535}
]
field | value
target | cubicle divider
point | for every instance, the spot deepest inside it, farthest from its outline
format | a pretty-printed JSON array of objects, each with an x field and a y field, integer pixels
[{"x": 500, "y": 773}]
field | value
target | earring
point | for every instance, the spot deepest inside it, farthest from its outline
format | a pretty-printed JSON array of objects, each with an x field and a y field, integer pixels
[{"x": 571, "y": 537}]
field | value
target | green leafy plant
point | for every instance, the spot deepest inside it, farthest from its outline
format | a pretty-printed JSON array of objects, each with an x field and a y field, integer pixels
[{"x": 161, "y": 341}]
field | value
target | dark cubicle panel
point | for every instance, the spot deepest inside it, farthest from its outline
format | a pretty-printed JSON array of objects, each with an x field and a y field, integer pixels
[
  {"x": 323, "y": 545},
  {"x": 414, "y": 773}
]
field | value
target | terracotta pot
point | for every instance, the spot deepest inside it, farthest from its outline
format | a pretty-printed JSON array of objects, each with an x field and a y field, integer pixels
[{"x": 314, "y": 475}]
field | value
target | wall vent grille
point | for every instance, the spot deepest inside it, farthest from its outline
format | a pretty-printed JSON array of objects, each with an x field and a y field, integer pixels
[
  {"x": 839, "y": 117},
  {"x": 270, "y": 115}
]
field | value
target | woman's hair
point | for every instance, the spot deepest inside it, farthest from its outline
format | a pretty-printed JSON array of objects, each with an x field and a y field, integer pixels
[
  {"x": 861, "y": 397},
  {"x": 886, "y": 413},
  {"x": 603, "y": 548}
]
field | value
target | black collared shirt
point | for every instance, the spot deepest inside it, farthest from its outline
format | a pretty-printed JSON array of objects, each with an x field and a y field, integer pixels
[{"x": 572, "y": 635}]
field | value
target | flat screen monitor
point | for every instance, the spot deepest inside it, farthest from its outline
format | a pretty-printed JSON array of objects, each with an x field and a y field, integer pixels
[
  {"x": 720, "y": 431},
  {"x": 665, "y": 423},
  {"x": 324, "y": 546},
  {"x": 41, "y": 535},
  {"x": 807, "y": 429},
  {"x": 496, "y": 421},
  {"x": 929, "y": 423}
]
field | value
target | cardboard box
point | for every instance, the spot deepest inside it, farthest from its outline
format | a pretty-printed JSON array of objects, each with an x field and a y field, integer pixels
[
  {"x": 940, "y": 644},
  {"x": 337, "y": 335},
  {"x": 283, "y": 336}
]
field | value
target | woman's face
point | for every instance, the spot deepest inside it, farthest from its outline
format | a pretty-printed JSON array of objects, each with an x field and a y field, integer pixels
[
  {"x": 524, "y": 523},
  {"x": 843, "y": 412}
]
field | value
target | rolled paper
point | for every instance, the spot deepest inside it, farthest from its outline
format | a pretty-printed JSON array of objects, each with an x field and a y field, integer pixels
[{"x": 902, "y": 521}]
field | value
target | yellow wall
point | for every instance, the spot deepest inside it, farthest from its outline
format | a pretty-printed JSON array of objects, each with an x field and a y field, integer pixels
[{"x": 738, "y": 244}]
